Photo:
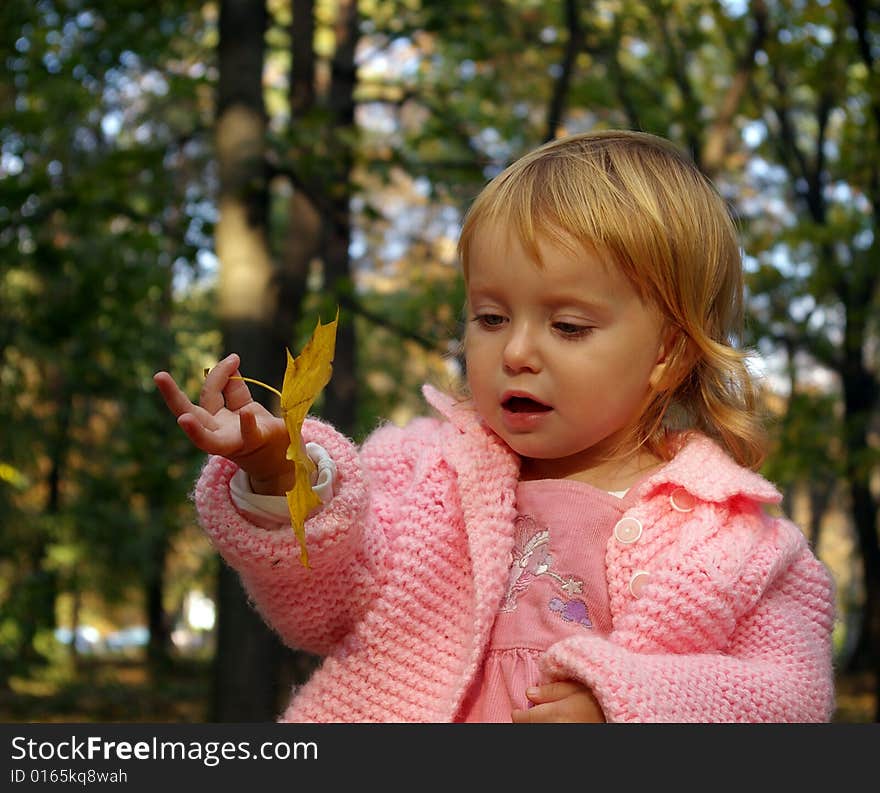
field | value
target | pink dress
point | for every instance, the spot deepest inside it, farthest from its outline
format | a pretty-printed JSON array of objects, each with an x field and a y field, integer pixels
[{"x": 556, "y": 588}]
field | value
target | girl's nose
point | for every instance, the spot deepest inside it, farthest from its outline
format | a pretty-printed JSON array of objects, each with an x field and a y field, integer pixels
[{"x": 520, "y": 351}]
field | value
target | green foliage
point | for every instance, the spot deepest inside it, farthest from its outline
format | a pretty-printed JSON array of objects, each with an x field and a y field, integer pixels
[
  {"x": 97, "y": 222},
  {"x": 107, "y": 214}
]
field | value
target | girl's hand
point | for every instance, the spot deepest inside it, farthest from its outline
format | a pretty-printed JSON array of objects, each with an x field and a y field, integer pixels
[
  {"x": 563, "y": 701},
  {"x": 227, "y": 421}
]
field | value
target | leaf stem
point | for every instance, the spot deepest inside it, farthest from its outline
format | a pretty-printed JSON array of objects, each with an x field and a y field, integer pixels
[{"x": 260, "y": 383}]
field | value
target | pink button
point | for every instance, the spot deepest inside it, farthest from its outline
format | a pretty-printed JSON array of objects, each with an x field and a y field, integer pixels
[
  {"x": 682, "y": 500},
  {"x": 627, "y": 530},
  {"x": 638, "y": 581}
]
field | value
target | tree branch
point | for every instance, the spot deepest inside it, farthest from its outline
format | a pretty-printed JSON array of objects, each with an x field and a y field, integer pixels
[
  {"x": 677, "y": 62},
  {"x": 302, "y": 64},
  {"x": 619, "y": 79},
  {"x": 715, "y": 145},
  {"x": 562, "y": 85},
  {"x": 353, "y": 305},
  {"x": 859, "y": 10},
  {"x": 790, "y": 152}
]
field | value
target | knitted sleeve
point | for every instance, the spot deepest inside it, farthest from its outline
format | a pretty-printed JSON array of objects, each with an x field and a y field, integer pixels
[
  {"x": 753, "y": 645},
  {"x": 310, "y": 609},
  {"x": 314, "y": 609}
]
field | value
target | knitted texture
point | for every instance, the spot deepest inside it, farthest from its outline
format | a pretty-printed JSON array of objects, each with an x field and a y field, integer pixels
[{"x": 410, "y": 561}]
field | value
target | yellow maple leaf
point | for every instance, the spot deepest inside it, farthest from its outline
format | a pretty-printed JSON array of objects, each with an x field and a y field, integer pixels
[{"x": 304, "y": 378}]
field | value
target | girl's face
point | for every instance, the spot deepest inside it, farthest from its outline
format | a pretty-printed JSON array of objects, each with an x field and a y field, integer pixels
[{"x": 560, "y": 359}]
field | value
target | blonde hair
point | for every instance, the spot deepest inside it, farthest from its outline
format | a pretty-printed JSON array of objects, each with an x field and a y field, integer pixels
[{"x": 637, "y": 198}]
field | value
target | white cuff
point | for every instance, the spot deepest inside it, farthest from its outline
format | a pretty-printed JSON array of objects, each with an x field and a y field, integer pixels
[
  {"x": 325, "y": 482},
  {"x": 274, "y": 509}
]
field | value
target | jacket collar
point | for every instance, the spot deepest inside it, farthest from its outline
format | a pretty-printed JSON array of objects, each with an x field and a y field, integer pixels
[
  {"x": 701, "y": 467},
  {"x": 461, "y": 413}
]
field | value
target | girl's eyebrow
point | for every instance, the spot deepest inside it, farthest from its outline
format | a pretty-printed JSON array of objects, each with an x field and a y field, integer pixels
[
  {"x": 577, "y": 299},
  {"x": 483, "y": 290},
  {"x": 567, "y": 298}
]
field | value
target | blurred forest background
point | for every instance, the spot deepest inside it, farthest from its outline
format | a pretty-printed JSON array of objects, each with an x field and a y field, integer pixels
[{"x": 184, "y": 178}]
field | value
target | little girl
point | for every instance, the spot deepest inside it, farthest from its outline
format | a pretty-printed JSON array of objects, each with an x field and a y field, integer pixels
[{"x": 580, "y": 538}]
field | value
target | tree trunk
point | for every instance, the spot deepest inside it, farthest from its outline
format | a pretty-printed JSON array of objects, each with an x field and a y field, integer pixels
[
  {"x": 340, "y": 400},
  {"x": 248, "y": 653},
  {"x": 157, "y": 485},
  {"x": 864, "y": 503},
  {"x": 157, "y": 649},
  {"x": 246, "y": 667},
  {"x": 42, "y": 584},
  {"x": 820, "y": 493},
  {"x": 860, "y": 397},
  {"x": 302, "y": 239}
]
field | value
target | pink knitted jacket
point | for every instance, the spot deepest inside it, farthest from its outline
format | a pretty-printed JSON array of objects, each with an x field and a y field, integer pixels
[{"x": 410, "y": 561}]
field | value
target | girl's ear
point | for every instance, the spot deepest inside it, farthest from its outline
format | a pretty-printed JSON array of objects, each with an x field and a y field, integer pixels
[{"x": 671, "y": 359}]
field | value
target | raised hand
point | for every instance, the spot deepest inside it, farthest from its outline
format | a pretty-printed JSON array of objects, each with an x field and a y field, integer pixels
[{"x": 227, "y": 421}]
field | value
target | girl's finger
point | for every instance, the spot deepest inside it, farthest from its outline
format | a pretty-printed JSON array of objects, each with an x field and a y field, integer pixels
[
  {"x": 177, "y": 401},
  {"x": 540, "y": 714},
  {"x": 250, "y": 431},
  {"x": 236, "y": 392},
  {"x": 521, "y": 716},
  {"x": 196, "y": 432},
  {"x": 211, "y": 397},
  {"x": 210, "y": 438},
  {"x": 551, "y": 692}
]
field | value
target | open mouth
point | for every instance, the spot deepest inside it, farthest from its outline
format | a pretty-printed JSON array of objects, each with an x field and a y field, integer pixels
[{"x": 520, "y": 404}]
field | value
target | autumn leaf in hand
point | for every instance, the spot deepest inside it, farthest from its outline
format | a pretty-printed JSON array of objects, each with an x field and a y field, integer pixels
[{"x": 305, "y": 377}]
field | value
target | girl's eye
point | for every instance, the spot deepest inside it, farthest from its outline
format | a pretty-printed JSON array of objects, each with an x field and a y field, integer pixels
[
  {"x": 571, "y": 331},
  {"x": 488, "y": 320}
]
